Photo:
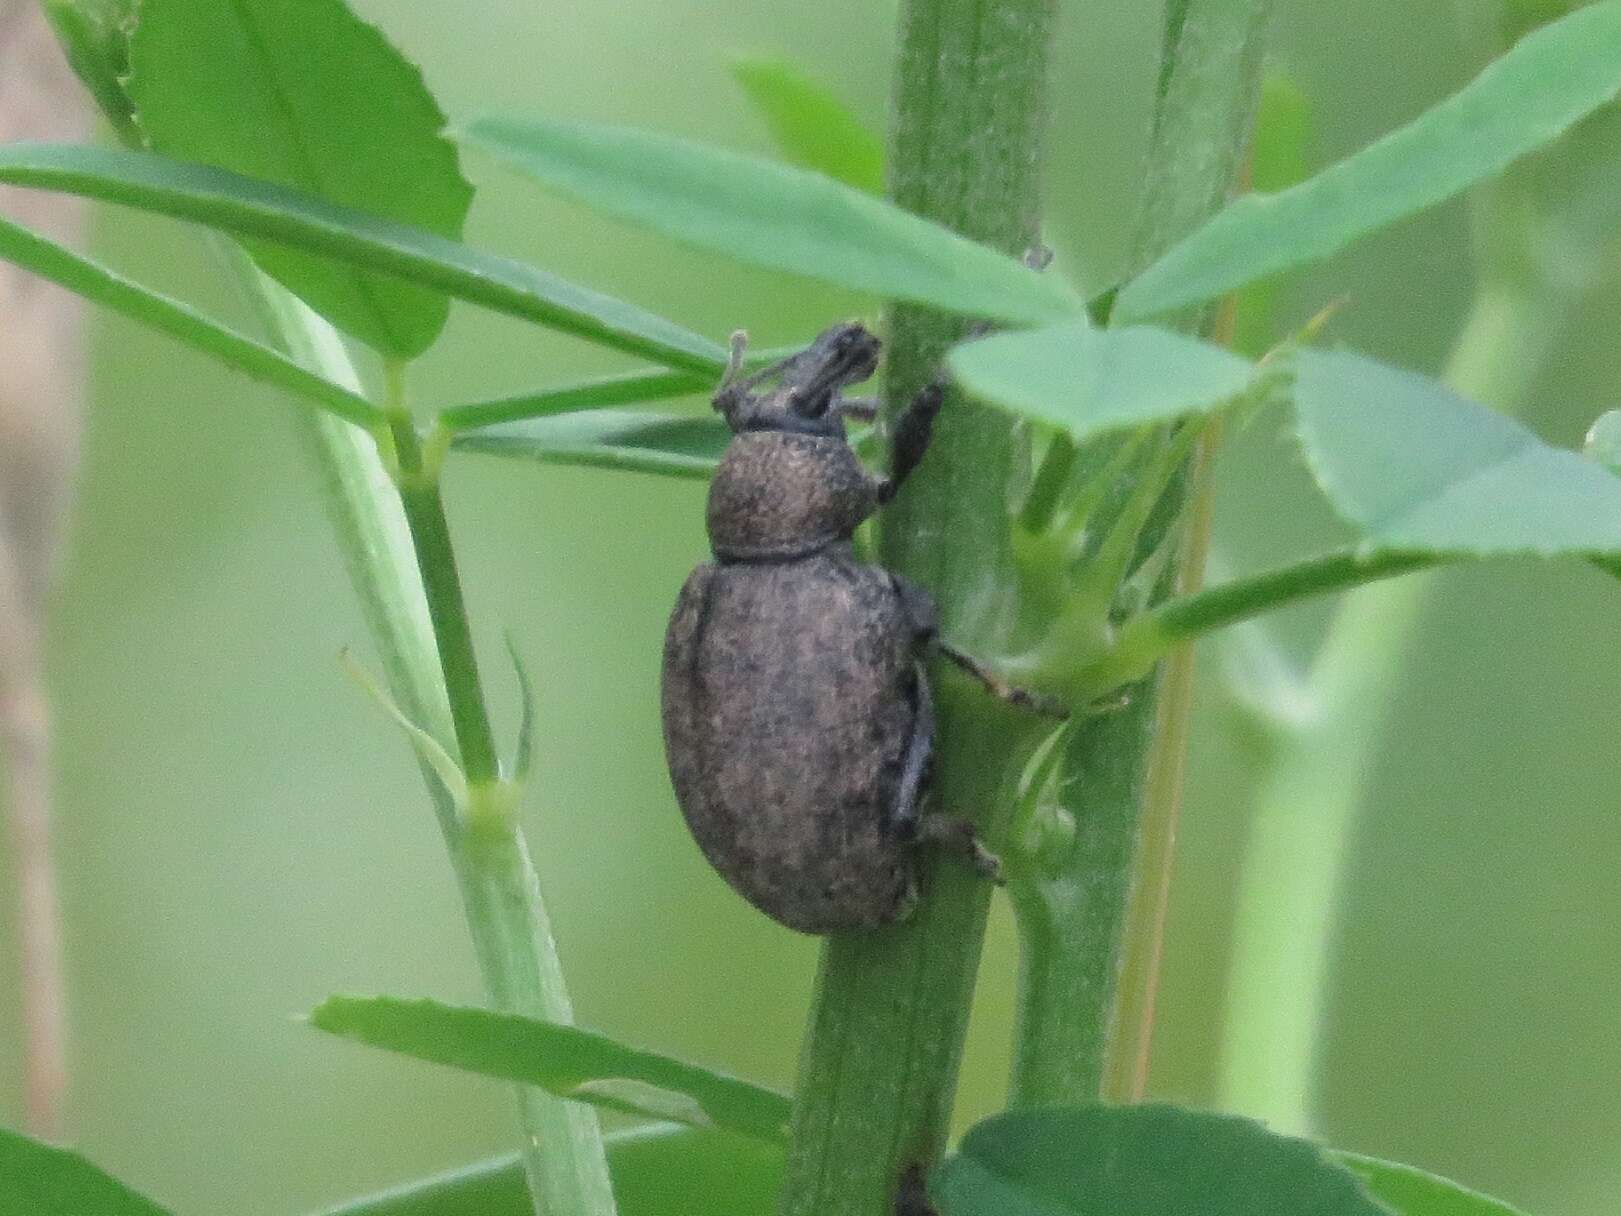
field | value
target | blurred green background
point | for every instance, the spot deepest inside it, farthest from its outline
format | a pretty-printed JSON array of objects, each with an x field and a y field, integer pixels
[{"x": 241, "y": 832}]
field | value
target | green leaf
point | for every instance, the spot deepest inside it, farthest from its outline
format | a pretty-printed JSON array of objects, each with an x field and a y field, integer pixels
[
  {"x": 1140, "y": 1161},
  {"x": 1529, "y": 96},
  {"x": 626, "y": 389},
  {"x": 772, "y": 215},
  {"x": 812, "y": 126},
  {"x": 660, "y": 1169},
  {"x": 1603, "y": 442},
  {"x": 428, "y": 749},
  {"x": 563, "y": 1060},
  {"x": 1412, "y": 1192},
  {"x": 675, "y": 445},
  {"x": 41, "y": 1180},
  {"x": 1088, "y": 380},
  {"x": 94, "y": 35},
  {"x": 305, "y": 94},
  {"x": 523, "y": 754},
  {"x": 244, "y": 207},
  {"x": 1418, "y": 469},
  {"x": 103, "y": 286}
]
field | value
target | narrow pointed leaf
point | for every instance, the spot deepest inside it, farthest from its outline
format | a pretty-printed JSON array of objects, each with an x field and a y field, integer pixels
[
  {"x": 563, "y": 1060},
  {"x": 812, "y": 126},
  {"x": 305, "y": 94},
  {"x": 1088, "y": 380},
  {"x": 772, "y": 215},
  {"x": 660, "y": 1169},
  {"x": 1140, "y": 1161},
  {"x": 42, "y": 1180},
  {"x": 523, "y": 755},
  {"x": 1417, "y": 468},
  {"x": 675, "y": 445},
  {"x": 106, "y": 287},
  {"x": 1413, "y": 1192},
  {"x": 245, "y": 207},
  {"x": 428, "y": 749},
  {"x": 630, "y": 388},
  {"x": 1542, "y": 86}
]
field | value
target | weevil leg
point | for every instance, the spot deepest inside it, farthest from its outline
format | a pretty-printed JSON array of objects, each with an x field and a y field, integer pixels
[
  {"x": 952, "y": 833},
  {"x": 919, "y": 607},
  {"x": 913, "y": 433},
  {"x": 861, "y": 409},
  {"x": 921, "y": 614},
  {"x": 957, "y": 835},
  {"x": 907, "y": 808},
  {"x": 999, "y": 688}
]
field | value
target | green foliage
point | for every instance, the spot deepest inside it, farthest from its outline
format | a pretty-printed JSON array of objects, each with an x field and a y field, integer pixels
[
  {"x": 248, "y": 208},
  {"x": 1526, "y": 98},
  {"x": 95, "y": 38},
  {"x": 675, "y": 445},
  {"x": 812, "y": 126},
  {"x": 1418, "y": 469},
  {"x": 305, "y": 94},
  {"x": 771, "y": 215},
  {"x": 1603, "y": 442},
  {"x": 661, "y": 1169},
  {"x": 40, "y": 1180},
  {"x": 563, "y": 1060},
  {"x": 630, "y": 388},
  {"x": 1088, "y": 381},
  {"x": 1413, "y": 1192},
  {"x": 1280, "y": 157},
  {"x": 1139, "y": 1161},
  {"x": 106, "y": 287}
]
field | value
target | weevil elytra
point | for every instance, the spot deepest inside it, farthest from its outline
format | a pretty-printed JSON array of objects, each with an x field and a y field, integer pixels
[{"x": 798, "y": 723}]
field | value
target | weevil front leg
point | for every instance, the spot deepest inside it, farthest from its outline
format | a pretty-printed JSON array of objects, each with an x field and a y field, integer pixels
[{"x": 913, "y": 433}]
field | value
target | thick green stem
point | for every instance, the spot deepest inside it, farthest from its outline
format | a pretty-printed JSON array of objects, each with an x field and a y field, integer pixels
[
  {"x": 879, "y": 1067},
  {"x": 1075, "y": 1016},
  {"x": 562, "y": 1144}
]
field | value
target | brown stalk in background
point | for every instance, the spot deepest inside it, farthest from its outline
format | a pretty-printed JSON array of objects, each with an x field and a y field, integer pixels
[{"x": 41, "y": 376}]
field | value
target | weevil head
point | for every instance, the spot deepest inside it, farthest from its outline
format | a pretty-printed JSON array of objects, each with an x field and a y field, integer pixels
[{"x": 789, "y": 483}]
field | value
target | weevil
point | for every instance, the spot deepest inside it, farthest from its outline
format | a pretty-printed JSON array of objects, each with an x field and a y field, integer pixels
[{"x": 798, "y": 723}]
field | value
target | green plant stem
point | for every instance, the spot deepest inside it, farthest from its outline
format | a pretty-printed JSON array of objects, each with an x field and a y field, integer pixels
[
  {"x": 879, "y": 1067},
  {"x": 562, "y": 1149},
  {"x": 436, "y": 560},
  {"x": 1185, "y": 619},
  {"x": 1074, "y": 1013},
  {"x": 1305, "y": 807}
]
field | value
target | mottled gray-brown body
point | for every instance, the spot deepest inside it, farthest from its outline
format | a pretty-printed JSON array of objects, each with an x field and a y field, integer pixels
[
  {"x": 797, "y": 723},
  {"x": 790, "y": 703}
]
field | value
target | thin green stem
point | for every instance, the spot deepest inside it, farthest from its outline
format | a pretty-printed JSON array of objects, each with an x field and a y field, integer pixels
[
  {"x": 562, "y": 1150},
  {"x": 1072, "y": 1004},
  {"x": 879, "y": 1067},
  {"x": 436, "y": 560},
  {"x": 1182, "y": 620}
]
